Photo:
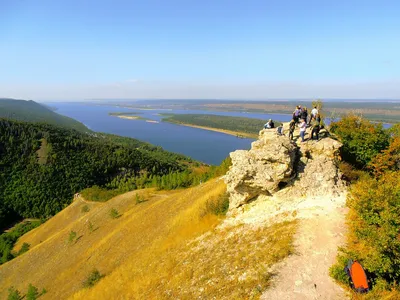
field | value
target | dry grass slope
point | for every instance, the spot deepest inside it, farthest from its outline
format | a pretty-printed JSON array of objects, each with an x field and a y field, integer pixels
[{"x": 159, "y": 249}]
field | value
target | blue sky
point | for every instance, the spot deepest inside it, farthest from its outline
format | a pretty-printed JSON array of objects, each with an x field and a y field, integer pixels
[{"x": 74, "y": 49}]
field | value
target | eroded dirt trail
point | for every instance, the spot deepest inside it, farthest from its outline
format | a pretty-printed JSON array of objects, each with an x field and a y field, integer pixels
[{"x": 305, "y": 274}]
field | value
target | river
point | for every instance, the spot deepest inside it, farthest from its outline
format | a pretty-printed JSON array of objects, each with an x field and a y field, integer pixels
[{"x": 203, "y": 145}]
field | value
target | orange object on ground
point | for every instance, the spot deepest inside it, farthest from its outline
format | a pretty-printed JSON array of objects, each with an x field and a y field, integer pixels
[{"x": 357, "y": 275}]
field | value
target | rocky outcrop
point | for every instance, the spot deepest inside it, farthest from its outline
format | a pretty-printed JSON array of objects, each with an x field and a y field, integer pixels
[
  {"x": 274, "y": 163},
  {"x": 261, "y": 169},
  {"x": 317, "y": 171}
]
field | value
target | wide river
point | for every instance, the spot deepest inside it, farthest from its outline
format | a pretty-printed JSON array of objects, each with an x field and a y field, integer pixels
[{"x": 203, "y": 145}]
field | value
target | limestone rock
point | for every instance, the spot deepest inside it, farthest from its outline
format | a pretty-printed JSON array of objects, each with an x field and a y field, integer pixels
[
  {"x": 309, "y": 169},
  {"x": 260, "y": 170},
  {"x": 318, "y": 173}
]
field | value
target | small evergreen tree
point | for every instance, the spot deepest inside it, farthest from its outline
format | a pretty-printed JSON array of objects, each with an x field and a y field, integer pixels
[
  {"x": 114, "y": 213},
  {"x": 14, "y": 294},
  {"x": 33, "y": 292}
]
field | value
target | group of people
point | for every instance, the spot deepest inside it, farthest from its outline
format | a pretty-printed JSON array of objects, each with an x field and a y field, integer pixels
[{"x": 302, "y": 120}]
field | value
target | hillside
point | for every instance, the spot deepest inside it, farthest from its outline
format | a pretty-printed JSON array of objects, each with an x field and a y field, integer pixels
[
  {"x": 30, "y": 111},
  {"x": 142, "y": 248},
  {"x": 278, "y": 240},
  {"x": 42, "y": 166}
]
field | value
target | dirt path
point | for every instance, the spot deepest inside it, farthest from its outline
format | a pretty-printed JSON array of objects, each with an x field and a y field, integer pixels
[{"x": 305, "y": 275}]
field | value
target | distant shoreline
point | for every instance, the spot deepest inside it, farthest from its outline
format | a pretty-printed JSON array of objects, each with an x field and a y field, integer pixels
[{"x": 234, "y": 133}]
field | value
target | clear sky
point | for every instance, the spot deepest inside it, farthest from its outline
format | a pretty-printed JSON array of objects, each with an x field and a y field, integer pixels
[{"x": 77, "y": 49}]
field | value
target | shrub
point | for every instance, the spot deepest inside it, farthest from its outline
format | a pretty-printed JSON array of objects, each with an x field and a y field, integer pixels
[
  {"x": 374, "y": 225},
  {"x": 96, "y": 193},
  {"x": 114, "y": 213},
  {"x": 139, "y": 199},
  {"x": 85, "y": 209},
  {"x": 33, "y": 292},
  {"x": 389, "y": 159},
  {"x": 24, "y": 248},
  {"x": 362, "y": 140},
  {"x": 14, "y": 294},
  {"x": 72, "y": 236},
  {"x": 350, "y": 174},
  {"x": 93, "y": 278},
  {"x": 90, "y": 227},
  {"x": 217, "y": 206}
]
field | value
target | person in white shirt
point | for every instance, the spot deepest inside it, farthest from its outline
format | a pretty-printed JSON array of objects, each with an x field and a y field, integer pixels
[
  {"x": 314, "y": 113},
  {"x": 303, "y": 126}
]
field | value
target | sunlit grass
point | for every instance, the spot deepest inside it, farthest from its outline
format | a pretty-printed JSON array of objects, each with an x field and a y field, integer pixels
[{"x": 167, "y": 247}]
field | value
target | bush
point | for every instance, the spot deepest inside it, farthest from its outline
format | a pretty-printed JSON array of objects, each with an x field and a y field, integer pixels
[
  {"x": 85, "y": 209},
  {"x": 33, "y": 292},
  {"x": 14, "y": 294},
  {"x": 99, "y": 194},
  {"x": 362, "y": 140},
  {"x": 24, "y": 248},
  {"x": 93, "y": 278},
  {"x": 114, "y": 213},
  {"x": 389, "y": 159},
  {"x": 217, "y": 206},
  {"x": 139, "y": 199},
  {"x": 72, "y": 236},
  {"x": 374, "y": 225}
]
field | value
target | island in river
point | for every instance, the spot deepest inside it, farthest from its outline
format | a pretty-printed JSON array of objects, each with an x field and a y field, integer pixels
[
  {"x": 237, "y": 126},
  {"x": 127, "y": 115}
]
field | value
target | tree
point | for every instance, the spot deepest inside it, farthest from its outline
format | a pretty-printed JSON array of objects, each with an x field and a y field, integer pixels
[
  {"x": 33, "y": 293},
  {"x": 362, "y": 140},
  {"x": 14, "y": 294}
]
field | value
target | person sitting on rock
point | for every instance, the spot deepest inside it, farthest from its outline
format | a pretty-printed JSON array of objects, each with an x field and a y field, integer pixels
[
  {"x": 270, "y": 124},
  {"x": 303, "y": 127},
  {"x": 279, "y": 130}
]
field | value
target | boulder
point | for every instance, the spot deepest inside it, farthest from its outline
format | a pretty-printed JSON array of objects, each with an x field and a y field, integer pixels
[
  {"x": 305, "y": 169},
  {"x": 260, "y": 170},
  {"x": 318, "y": 173}
]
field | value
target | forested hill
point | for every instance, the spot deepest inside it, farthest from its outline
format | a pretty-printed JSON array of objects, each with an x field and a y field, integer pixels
[
  {"x": 30, "y": 111},
  {"x": 42, "y": 166}
]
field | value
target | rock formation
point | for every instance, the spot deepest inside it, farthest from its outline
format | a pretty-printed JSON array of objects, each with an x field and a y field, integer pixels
[{"x": 274, "y": 163}]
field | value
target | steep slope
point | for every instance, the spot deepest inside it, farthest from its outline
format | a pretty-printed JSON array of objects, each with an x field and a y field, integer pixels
[
  {"x": 61, "y": 266},
  {"x": 30, "y": 111},
  {"x": 42, "y": 166}
]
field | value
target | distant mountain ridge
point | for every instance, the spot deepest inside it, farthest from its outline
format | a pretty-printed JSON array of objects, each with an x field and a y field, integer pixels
[{"x": 31, "y": 111}]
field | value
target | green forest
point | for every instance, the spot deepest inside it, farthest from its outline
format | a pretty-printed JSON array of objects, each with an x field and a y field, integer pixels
[
  {"x": 237, "y": 124},
  {"x": 42, "y": 166},
  {"x": 30, "y": 111}
]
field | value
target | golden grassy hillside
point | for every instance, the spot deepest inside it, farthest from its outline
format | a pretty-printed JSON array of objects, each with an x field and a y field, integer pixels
[{"x": 154, "y": 250}]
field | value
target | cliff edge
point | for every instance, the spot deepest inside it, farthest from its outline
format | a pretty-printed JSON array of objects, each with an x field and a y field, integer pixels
[{"x": 278, "y": 180}]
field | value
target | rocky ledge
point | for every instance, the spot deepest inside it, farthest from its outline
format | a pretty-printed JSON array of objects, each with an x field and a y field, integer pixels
[{"x": 274, "y": 163}]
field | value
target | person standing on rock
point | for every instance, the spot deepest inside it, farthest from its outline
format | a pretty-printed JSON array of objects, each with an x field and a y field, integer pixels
[
  {"x": 304, "y": 114},
  {"x": 303, "y": 126},
  {"x": 315, "y": 129}
]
